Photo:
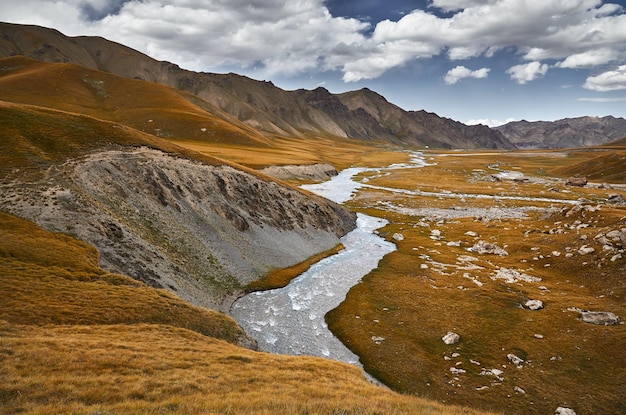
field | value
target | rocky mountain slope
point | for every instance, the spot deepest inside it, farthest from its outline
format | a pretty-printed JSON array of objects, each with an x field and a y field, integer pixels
[
  {"x": 260, "y": 105},
  {"x": 565, "y": 133},
  {"x": 199, "y": 227}
]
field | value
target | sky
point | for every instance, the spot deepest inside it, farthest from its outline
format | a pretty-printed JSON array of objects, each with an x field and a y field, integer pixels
[{"x": 474, "y": 61}]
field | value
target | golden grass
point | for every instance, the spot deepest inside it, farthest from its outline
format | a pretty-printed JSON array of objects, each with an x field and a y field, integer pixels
[
  {"x": 76, "y": 339},
  {"x": 413, "y": 307},
  {"x": 280, "y": 278},
  {"x": 145, "y": 106},
  {"x": 131, "y": 369},
  {"x": 341, "y": 153},
  {"x": 51, "y": 278}
]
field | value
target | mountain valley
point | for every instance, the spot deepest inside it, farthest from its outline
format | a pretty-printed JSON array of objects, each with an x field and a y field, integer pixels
[{"x": 139, "y": 200}]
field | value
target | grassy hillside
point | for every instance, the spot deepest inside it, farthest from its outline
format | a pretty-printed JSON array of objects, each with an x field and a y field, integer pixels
[
  {"x": 607, "y": 166},
  {"x": 149, "y": 107},
  {"x": 76, "y": 339}
]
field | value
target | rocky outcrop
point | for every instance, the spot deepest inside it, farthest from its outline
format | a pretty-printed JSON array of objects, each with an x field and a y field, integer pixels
[
  {"x": 201, "y": 231},
  {"x": 316, "y": 172}
]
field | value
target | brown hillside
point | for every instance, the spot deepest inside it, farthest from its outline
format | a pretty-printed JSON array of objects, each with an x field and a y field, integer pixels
[
  {"x": 606, "y": 167},
  {"x": 146, "y": 106},
  {"x": 258, "y": 104}
]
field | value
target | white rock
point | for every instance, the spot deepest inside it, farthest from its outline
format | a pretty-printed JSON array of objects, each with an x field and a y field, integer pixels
[
  {"x": 534, "y": 304},
  {"x": 457, "y": 371},
  {"x": 451, "y": 338},
  {"x": 484, "y": 247},
  {"x": 616, "y": 257},
  {"x": 519, "y": 390},
  {"x": 398, "y": 237},
  {"x": 512, "y": 276},
  {"x": 471, "y": 233},
  {"x": 584, "y": 250},
  {"x": 564, "y": 411},
  {"x": 517, "y": 361}
]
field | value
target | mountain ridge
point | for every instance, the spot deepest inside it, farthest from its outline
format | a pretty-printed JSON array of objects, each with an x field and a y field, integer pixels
[
  {"x": 565, "y": 133},
  {"x": 259, "y": 104}
]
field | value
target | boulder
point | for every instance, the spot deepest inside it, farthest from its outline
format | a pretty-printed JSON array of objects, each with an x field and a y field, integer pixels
[
  {"x": 534, "y": 304},
  {"x": 584, "y": 250},
  {"x": 576, "y": 181},
  {"x": 601, "y": 318},
  {"x": 484, "y": 247},
  {"x": 616, "y": 198},
  {"x": 451, "y": 338},
  {"x": 564, "y": 411}
]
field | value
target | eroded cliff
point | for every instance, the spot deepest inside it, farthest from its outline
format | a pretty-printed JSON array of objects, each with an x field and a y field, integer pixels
[{"x": 199, "y": 230}]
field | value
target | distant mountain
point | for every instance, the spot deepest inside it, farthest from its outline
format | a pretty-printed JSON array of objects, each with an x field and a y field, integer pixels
[
  {"x": 565, "y": 133},
  {"x": 258, "y": 104}
]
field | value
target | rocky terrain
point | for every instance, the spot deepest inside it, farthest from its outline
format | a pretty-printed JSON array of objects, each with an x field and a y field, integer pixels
[
  {"x": 261, "y": 105},
  {"x": 200, "y": 231},
  {"x": 565, "y": 133}
]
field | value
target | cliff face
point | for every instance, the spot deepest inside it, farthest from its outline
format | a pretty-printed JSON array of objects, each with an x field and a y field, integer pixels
[
  {"x": 198, "y": 230},
  {"x": 260, "y": 105}
]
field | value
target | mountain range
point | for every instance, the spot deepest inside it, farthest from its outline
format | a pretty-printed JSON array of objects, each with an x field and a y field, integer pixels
[{"x": 260, "y": 105}]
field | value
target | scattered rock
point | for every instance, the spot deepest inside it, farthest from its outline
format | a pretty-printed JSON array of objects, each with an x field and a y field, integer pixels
[
  {"x": 451, "y": 338},
  {"x": 576, "y": 181},
  {"x": 484, "y": 247},
  {"x": 601, "y": 318},
  {"x": 519, "y": 390},
  {"x": 398, "y": 237},
  {"x": 512, "y": 276},
  {"x": 457, "y": 371},
  {"x": 616, "y": 198},
  {"x": 564, "y": 411},
  {"x": 517, "y": 361},
  {"x": 584, "y": 250},
  {"x": 534, "y": 304}
]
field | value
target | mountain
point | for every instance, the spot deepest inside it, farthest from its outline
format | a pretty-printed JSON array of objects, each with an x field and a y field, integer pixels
[
  {"x": 565, "y": 133},
  {"x": 197, "y": 226},
  {"x": 260, "y": 105}
]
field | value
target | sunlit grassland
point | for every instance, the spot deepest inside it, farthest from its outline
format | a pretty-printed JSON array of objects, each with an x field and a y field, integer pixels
[
  {"x": 76, "y": 339},
  {"x": 341, "y": 153},
  {"x": 425, "y": 289},
  {"x": 131, "y": 369}
]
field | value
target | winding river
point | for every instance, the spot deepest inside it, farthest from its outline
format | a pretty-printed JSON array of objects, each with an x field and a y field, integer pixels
[{"x": 291, "y": 320}]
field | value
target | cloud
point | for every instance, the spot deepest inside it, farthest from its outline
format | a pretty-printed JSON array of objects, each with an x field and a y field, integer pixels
[
  {"x": 527, "y": 72},
  {"x": 589, "y": 58},
  {"x": 489, "y": 122},
  {"x": 294, "y": 37},
  {"x": 456, "y": 74},
  {"x": 619, "y": 99},
  {"x": 608, "y": 81}
]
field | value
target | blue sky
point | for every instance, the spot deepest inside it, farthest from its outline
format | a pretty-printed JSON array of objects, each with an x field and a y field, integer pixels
[{"x": 488, "y": 61}]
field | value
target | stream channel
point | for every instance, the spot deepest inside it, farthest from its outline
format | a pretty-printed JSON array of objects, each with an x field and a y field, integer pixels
[{"x": 290, "y": 320}]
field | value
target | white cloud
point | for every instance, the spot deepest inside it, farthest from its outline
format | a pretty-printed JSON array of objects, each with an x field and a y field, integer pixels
[
  {"x": 527, "y": 72},
  {"x": 292, "y": 37},
  {"x": 589, "y": 58},
  {"x": 619, "y": 99},
  {"x": 489, "y": 122},
  {"x": 456, "y": 74},
  {"x": 608, "y": 81}
]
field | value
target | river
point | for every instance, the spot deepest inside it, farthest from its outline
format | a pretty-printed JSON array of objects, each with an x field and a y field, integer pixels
[{"x": 290, "y": 320}]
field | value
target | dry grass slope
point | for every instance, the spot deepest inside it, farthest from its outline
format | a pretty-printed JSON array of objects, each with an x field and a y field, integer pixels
[{"x": 76, "y": 339}]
